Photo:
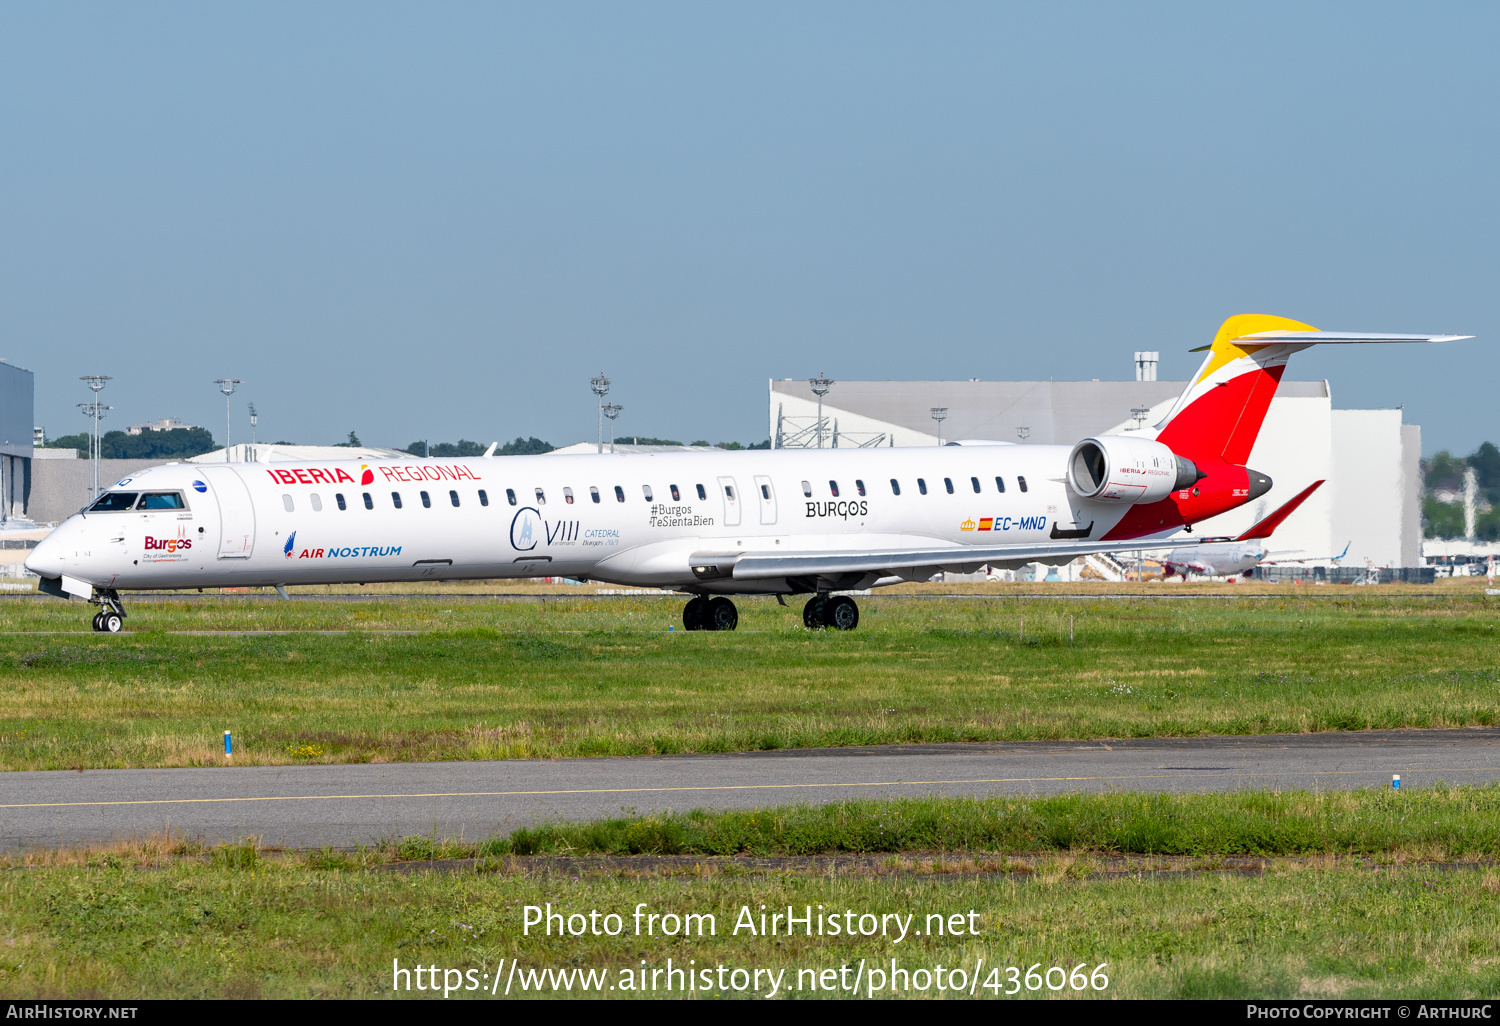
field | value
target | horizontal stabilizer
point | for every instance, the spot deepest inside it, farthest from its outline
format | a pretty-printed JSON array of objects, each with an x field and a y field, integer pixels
[
  {"x": 1264, "y": 528},
  {"x": 1342, "y": 336}
]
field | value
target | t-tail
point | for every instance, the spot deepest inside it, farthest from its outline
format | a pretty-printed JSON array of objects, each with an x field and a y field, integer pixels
[
  {"x": 1219, "y": 415},
  {"x": 1217, "y": 419}
]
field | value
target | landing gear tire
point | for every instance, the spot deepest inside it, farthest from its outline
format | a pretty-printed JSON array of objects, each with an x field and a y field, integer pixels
[
  {"x": 111, "y": 622},
  {"x": 695, "y": 614},
  {"x": 722, "y": 616},
  {"x": 841, "y": 613},
  {"x": 99, "y": 621},
  {"x": 812, "y": 613}
]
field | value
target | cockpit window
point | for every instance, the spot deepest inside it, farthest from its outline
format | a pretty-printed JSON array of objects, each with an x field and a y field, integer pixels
[
  {"x": 162, "y": 500},
  {"x": 114, "y": 502}
]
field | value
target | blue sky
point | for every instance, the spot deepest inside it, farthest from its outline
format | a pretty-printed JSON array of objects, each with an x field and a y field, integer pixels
[{"x": 438, "y": 220}]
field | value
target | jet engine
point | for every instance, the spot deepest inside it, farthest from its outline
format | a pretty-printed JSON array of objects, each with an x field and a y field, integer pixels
[{"x": 1118, "y": 468}]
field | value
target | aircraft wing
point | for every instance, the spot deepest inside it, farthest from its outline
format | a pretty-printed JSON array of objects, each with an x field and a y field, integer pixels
[
  {"x": 757, "y": 566},
  {"x": 1264, "y": 528}
]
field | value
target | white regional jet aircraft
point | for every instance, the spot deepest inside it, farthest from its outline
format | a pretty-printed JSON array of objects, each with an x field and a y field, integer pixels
[
  {"x": 1245, "y": 553},
  {"x": 780, "y": 522}
]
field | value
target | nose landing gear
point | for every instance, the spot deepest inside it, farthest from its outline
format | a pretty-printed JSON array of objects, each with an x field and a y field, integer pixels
[
  {"x": 111, "y": 617},
  {"x": 839, "y": 612},
  {"x": 710, "y": 614}
]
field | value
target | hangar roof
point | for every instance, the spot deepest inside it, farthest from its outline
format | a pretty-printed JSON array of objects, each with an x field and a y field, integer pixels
[{"x": 1057, "y": 412}]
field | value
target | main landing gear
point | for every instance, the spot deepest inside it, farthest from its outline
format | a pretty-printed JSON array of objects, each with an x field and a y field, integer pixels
[
  {"x": 838, "y": 612},
  {"x": 710, "y": 614},
  {"x": 111, "y": 616}
]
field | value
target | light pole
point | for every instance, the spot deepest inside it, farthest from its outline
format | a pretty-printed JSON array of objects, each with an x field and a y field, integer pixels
[
  {"x": 95, "y": 411},
  {"x": 96, "y": 384},
  {"x": 254, "y": 420},
  {"x": 940, "y": 414},
  {"x": 611, "y": 410},
  {"x": 820, "y": 386},
  {"x": 226, "y": 385},
  {"x": 600, "y": 387}
]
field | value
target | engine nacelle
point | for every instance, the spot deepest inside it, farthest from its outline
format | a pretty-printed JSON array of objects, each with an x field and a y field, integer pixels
[{"x": 1119, "y": 468}]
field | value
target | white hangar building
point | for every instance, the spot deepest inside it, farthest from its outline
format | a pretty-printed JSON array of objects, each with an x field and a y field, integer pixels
[{"x": 1368, "y": 458}]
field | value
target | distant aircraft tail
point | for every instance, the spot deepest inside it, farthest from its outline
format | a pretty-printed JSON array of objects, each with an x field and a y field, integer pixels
[
  {"x": 1219, "y": 415},
  {"x": 1264, "y": 528}
]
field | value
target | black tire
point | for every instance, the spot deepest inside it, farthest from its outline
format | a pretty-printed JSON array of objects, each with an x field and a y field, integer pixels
[
  {"x": 812, "y": 614},
  {"x": 98, "y": 621},
  {"x": 722, "y": 616},
  {"x": 841, "y": 613},
  {"x": 695, "y": 614},
  {"x": 112, "y": 622}
]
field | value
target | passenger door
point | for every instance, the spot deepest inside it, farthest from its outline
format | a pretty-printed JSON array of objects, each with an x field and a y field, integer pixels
[
  {"x": 766, "y": 493},
  {"x": 730, "y": 493},
  {"x": 236, "y": 513}
]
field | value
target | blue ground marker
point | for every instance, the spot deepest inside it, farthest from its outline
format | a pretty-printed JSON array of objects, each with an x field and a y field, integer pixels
[
  {"x": 228, "y": 746},
  {"x": 1396, "y": 782}
]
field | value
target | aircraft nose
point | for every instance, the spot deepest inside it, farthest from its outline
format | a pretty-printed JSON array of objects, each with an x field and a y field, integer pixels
[{"x": 46, "y": 559}]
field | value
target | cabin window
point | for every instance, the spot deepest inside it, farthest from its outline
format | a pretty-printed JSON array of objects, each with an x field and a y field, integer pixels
[
  {"x": 895, "y": 487},
  {"x": 729, "y": 492},
  {"x": 396, "y": 499},
  {"x": 701, "y": 493},
  {"x": 807, "y": 489},
  {"x": 114, "y": 502},
  {"x": 426, "y": 501},
  {"x": 859, "y": 486},
  {"x": 510, "y": 496},
  {"x": 833, "y": 489},
  {"x": 765, "y": 492},
  {"x": 484, "y": 497},
  {"x": 1020, "y": 482},
  {"x": 162, "y": 500},
  {"x": 619, "y": 494},
  {"x": 338, "y": 497},
  {"x": 646, "y": 491},
  {"x": 453, "y": 498},
  {"x": 541, "y": 497},
  {"x": 287, "y": 504},
  {"x": 975, "y": 482},
  {"x": 369, "y": 502},
  {"x": 1000, "y": 485},
  {"x": 676, "y": 496},
  {"x": 948, "y": 484},
  {"x": 317, "y": 502},
  {"x": 922, "y": 485},
  {"x": 593, "y": 493},
  {"x": 568, "y": 496}
]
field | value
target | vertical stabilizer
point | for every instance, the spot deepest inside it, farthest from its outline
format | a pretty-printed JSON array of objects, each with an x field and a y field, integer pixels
[{"x": 1220, "y": 413}]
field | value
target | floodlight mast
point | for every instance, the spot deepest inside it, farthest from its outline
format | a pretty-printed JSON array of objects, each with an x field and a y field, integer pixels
[
  {"x": 612, "y": 410},
  {"x": 600, "y": 387},
  {"x": 226, "y": 385},
  {"x": 820, "y": 386},
  {"x": 254, "y": 419},
  {"x": 940, "y": 414},
  {"x": 96, "y": 383}
]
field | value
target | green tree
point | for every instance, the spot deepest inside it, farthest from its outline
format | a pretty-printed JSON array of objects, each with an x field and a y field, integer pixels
[
  {"x": 79, "y": 441},
  {"x": 352, "y": 443},
  {"x": 532, "y": 446},
  {"x": 177, "y": 444}
]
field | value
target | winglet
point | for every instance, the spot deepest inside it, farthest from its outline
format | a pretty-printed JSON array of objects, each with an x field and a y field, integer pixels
[
  {"x": 1341, "y": 555},
  {"x": 491, "y": 450},
  {"x": 1264, "y": 528}
]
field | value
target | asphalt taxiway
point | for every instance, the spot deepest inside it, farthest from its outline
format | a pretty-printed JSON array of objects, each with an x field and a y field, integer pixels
[{"x": 343, "y": 806}]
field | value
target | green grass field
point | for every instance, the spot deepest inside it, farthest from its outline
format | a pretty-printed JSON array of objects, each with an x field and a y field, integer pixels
[
  {"x": 593, "y": 676},
  {"x": 166, "y": 919}
]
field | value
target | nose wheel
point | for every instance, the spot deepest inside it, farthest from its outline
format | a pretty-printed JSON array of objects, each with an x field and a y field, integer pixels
[
  {"x": 839, "y": 612},
  {"x": 111, "y": 618}
]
